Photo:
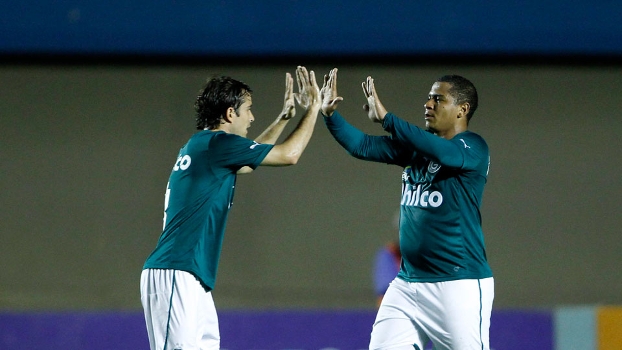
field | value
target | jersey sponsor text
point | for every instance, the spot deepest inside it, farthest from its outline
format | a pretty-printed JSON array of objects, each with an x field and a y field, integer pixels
[
  {"x": 183, "y": 162},
  {"x": 418, "y": 197}
]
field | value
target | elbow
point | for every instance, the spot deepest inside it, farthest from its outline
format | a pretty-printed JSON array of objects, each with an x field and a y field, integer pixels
[
  {"x": 292, "y": 158},
  {"x": 282, "y": 156},
  {"x": 355, "y": 155},
  {"x": 451, "y": 161},
  {"x": 358, "y": 154}
]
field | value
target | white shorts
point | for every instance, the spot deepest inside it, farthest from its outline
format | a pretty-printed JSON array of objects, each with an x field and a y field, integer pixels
[
  {"x": 454, "y": 315},
  {"x": 179, "y": 313}
]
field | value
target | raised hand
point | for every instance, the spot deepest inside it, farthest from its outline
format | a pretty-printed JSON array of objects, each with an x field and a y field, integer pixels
[
  {"x": 308, "y": 95},
  {"x": 289, "y": 106},
  {"x": 330, "y": 98},
  {"x": 374, "y": 108}
]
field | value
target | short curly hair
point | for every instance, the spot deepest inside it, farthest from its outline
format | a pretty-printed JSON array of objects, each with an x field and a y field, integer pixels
[
  {"x": 218, "y": 94},
  {"x": 462, "y": 90}
]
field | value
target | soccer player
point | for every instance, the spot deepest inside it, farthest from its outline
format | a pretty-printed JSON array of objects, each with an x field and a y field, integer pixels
[
  {"x": 179, "y": 275},
  {"x": 444, "y": 290}
]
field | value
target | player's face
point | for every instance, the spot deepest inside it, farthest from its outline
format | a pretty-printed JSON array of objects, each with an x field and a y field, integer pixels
[
  {"x": 441, "y": 113},
  {"x": 243, "y": 117}
]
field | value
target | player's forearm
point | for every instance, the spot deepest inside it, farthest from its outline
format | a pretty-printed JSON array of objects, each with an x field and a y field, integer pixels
[
  {"x": 272, "y": 132},
  {"x": 297, "y": 141},
  {"x": 349, "y": 137}
]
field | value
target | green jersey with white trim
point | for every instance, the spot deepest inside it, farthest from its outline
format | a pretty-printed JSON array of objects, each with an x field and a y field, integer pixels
[
  {"x": 441, "y": 236},
  {"x": 198, "y": 198}
]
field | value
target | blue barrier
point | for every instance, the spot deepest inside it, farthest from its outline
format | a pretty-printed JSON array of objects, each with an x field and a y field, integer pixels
[
  {"x": 242, "y": 330},
  {"x": 317, "y": 28}
]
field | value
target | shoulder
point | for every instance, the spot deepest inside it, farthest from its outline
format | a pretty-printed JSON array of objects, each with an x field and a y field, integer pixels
[
  {"x": 470, "y": 140},
  {"x": 224, "y": 139},
  {"x": 204, "y": 136},
  {"x": 237, "y": 147},
  {"x": 219, "y": 142}
]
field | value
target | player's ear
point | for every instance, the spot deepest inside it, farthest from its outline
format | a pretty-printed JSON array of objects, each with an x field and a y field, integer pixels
[
  {"x": 229, "y": 114},
  {"x": 464, "y": 110}
]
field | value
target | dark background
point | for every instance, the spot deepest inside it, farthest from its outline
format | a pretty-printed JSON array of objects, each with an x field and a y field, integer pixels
[{"x": 96, "y": 101}]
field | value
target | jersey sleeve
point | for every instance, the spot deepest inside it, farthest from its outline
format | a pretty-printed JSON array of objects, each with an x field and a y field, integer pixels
[
  {"x": 474, "y": 150},
  {"x": 450, "y": 153},
  {"x": 235, "y": 151},
  {"x": 361, "y": 145}
]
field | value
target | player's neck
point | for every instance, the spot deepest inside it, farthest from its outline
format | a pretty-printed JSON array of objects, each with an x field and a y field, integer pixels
[
  {"x": 221, "y": 127},
  {"x": 450, "y": 133}
]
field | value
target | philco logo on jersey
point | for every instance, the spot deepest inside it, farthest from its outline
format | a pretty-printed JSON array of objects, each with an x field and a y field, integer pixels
[
  {"x": 415, "y": 194},
  {"x": 418, "y": 197},
  {"x": 183, "y": 162}
]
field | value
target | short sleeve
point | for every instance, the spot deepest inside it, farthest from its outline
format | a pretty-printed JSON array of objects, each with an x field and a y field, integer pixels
[{"x": 234, "y": 151}]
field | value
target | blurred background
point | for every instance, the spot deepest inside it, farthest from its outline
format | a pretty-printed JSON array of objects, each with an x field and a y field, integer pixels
[{"x": 96, "y": 99}]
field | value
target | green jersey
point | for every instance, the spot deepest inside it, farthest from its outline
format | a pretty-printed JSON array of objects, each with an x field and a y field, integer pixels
[
  {"x": 198, "y": 197},
  {"x": 443, "y": 181}
]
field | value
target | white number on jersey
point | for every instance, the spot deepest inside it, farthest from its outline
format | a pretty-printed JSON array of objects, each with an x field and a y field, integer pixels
[{"x": 166, "y": 197}]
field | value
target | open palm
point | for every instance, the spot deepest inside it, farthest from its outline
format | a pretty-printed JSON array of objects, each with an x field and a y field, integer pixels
[
  {"x": 308, "y": 91},
  {"x": 374, "y": 108},
  {"x": 330, "y": 97}
]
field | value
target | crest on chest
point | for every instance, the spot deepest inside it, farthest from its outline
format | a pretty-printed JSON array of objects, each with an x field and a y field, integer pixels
[{"x": 421, "y": 171}]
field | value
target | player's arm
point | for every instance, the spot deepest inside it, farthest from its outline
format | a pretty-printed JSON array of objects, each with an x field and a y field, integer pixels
[
  {"x": 408, "y": 135},
  {"x": 354, "y": 141},
  {"x": 272, "y": 132},
  {"x": 308, "y": 97},
  {"x": 446, "y": 152},
  {"x": 360, "y": 145}
]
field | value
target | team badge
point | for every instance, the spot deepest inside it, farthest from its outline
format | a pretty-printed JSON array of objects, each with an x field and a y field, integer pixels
[{"x": 433, "y": 167}]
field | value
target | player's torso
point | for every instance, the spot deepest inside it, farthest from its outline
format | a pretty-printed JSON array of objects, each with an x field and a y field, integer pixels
[
  {"x": 199, "y": 195},
  {"x": 440, "y": 221}
]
